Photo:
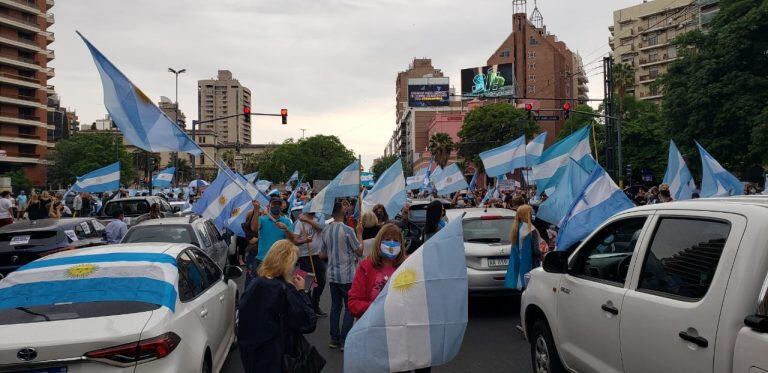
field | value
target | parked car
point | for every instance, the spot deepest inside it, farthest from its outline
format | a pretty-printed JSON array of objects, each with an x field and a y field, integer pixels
[
  {"x": 25, "y": 241},
  {"x": 487, "y": 246},
  {"x": 125, "y": 335},
  {"x": 417, "y": 220},
  {"x": 192, "y": 229},
  {"x": 133, "y": 207},
  {"x": 672, "y": 287}
]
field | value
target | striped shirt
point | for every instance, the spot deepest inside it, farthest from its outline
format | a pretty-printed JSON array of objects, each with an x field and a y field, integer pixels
[{"x": 339, "y": 244}]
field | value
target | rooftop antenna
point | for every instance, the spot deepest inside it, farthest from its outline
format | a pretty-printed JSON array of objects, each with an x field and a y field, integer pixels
[{"x": 536, "y": 18}]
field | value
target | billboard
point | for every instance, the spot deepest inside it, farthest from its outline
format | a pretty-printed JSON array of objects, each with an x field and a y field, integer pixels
[
  {"x": 488, "y": 81},
  {"x": 428, "y": 92}
]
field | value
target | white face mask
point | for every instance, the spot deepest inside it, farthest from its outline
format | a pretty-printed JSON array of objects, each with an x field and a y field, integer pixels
[{"x": 390, "y": 249}]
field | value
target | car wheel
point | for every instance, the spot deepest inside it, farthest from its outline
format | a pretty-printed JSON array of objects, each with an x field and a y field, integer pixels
[{"x": 544, "y": 356}]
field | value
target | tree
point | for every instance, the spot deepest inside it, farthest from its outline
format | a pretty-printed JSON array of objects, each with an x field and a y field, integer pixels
[
  {"x": 490, "y": 126},
  {"x": 19, "y": 180},
  {"x": 382, "y": 164},
  {"x": 623, "y": 77},
  {"x": 317, "y": 157},
  {"x": 229, "y": 158},
  {"x": 183, "y": 170},
  {"x": 716, "y": 92},
  {"x": 441, "y": 146},
  {"x": 85, "y": 152},
  {"x": 644, "y": 139}
]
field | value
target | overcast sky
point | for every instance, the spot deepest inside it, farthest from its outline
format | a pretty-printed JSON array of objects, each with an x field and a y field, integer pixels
[{"x": 332, "y": 63}]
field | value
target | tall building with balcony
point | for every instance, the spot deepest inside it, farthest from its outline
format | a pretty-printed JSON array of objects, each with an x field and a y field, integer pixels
[
  {"x": 221, "y": 97},
  {"x": 169, "y": 108},
  {"x": 24, "y": 74},
  {"x": 642, "y": 35}
]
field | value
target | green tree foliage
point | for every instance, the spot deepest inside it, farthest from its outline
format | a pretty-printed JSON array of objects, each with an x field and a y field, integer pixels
[
  {"x": 183, "y": 170},
  {"x": 441, "y": 145},
  {"x": 19, "y": 181},
  {"x": 490, "y": 126},
  {"x": 317, "y": 157},
  {"x": 716, "y": 93},
  {"x": 85, "y": 152},
  {"x": 382, "y": 165},
  {"x": 645, "y": 143}
]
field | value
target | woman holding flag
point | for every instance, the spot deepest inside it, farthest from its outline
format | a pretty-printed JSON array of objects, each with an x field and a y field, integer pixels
[{"x": 525, "y": 253}]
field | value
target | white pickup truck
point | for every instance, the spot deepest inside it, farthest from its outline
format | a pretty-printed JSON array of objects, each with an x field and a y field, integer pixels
[{"x": 675, "y": 287}]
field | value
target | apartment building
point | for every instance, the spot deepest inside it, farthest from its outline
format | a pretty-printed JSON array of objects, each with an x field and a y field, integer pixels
[
  {"x": 642, "y": 35},
  {"x": 24, "y": 74},
  {"x": 169, "y": 108},
  {"x": 220, "y": 97}
]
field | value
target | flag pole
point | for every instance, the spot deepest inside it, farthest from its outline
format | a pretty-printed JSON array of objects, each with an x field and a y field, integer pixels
[
  {"x": 594, "y": 139},
  {"x": 360, "y": 186}
]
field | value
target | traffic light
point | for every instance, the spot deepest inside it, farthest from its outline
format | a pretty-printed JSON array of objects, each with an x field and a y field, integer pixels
[
  {"x": 528, "y": 109},
  {"x": 246, "y": 113},
  {"x": 284, "y": 115},
  {"x": 566, "y": 110}
]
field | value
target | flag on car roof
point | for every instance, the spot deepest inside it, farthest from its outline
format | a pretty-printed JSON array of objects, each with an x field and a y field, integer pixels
[
  {"x": 419, "y": 318},
  {"x": 103, "y": 179},
  {"x": 141, "y": 122},
  {"x": 715, "y": 180}
]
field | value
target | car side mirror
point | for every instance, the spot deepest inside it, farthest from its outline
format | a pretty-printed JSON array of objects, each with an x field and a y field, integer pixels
[
  {"x": 232, "y": 272},
  {"x": 758, "y": 323},
  {"x": 176, "y": 209},
  {"x": 556, "y": 262}
]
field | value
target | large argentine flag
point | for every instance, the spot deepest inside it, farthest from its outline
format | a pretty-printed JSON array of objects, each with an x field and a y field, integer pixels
[
  {"x": 450, "y": 180},
  {"x": 715, "y": 180},
  {"x": 575, "y": 146},
  {"x": 389, "y": 190},
  {"x": 506, "y": 158},
  {"x": 142, "y": 123},
  {"x": 600, "y": 198},
  {"x": 345, "y": 184},
  {"x": 104, "y": 179},
  {"x": 535, "y": 148},
  {"x": 678, "y": 177},
  {"x": 242, "y": 204},
  {"x": 163, "y": 178},
  {"x": 556, "y": 206},
  {"x": 418, "y": 319},
  {"x": 220, "y": 200},
  {"x": 84, "y": 277}
]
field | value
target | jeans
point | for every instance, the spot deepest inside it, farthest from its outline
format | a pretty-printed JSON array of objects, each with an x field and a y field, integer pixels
[
  {"x": 251, "y": 266},
  {"x": 339, "y": 299},
  {"x": 319, "y": 271}
]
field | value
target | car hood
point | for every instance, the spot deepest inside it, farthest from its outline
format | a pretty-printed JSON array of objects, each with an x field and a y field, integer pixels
[{"x": 66, "y": 339}]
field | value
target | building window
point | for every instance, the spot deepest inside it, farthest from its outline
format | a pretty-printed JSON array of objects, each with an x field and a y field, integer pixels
[
  {"x": 653, "y": 57},
  {"x": 654, "y": 90},
  {"x": 531, "y": 78},
  {"x": 504, "y": 53},
  {"x": 532, "y": 54},
  {"x": 534, "y": 41},
  {"x": 654, "y": 72},
  {"x": 531, "y": 88},
  {"x": 653, "y": 39},
  {"x": 532, "y": 66},
  {"x": 202, "y": 159}
]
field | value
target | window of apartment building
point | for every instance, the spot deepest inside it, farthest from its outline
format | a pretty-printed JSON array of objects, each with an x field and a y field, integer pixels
[
  {"x": 531, "y": 88},
  {"x": 531, "y": 78},
  {"x": 653, "y": 90},
  {"x": 201, "y": 140},
  {"x": 672, "y": 51},
  {"x": 534, "y": 41},
  {"x": 653, "y": 72},
  {"x": 27, "y": 113},
  {"x": 625, "y": 41},
  {"x": 202, "y": 159},
  {"x": 27, "y": 56},
  {"x": 653, "y": 39},
  {"x": 532, "y": 65},
  {"x": 504, "y": 53},
  {"x": 26, "y": 36},
  {"x": 532, "y": 54},
  {"x": 627, "y": 58},
  {"x": 653, "y": 57},
  {"x": 27, "y": 92}
]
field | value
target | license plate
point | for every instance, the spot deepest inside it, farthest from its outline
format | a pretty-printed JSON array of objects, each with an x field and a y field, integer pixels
[
  {"x": 46, "y": 370},
  {"x": 500, "y": 262},
  {"x": 20, "y": 240}
]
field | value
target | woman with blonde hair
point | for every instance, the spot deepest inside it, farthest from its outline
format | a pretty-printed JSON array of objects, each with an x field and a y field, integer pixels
[
  {"x": 524, "y": 255},
  {"x": 274, "y": 312}
]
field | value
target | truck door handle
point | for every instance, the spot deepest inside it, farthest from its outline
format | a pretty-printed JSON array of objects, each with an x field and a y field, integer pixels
[
  {"x": 565, "y": 290},
  {"x": 204, "y": 313},
  {"x": 610, "y": 309},
  {"x": 221, "y": 298},
  {"x": 699, "y": 341}
]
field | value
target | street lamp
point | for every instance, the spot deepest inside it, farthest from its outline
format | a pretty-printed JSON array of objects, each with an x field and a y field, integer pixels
[{"x": 176, "y": 107}]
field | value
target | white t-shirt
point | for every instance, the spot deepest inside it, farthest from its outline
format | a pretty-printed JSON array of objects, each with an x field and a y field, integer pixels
[{"x": 5, "y": 208}]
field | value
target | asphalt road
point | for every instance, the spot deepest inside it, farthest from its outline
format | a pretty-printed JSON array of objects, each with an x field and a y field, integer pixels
[{"x": 491, "y": 342}]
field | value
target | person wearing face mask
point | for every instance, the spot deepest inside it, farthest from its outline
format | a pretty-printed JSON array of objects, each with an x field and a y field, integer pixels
[{"x": 374, "y": 271}]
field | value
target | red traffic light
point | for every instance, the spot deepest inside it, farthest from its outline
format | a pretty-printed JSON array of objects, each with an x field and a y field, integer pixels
[
  {"x": 246, "y": 110},
  {"x": 528, "y": 107},
  {"x": 284, "y": 114},
  {"x": 567, "y": 106}
]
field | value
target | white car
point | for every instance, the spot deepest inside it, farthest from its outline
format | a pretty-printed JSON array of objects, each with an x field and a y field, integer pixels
[
  {"x": 672, "y": 287},
  {"x": 189, "y": 326},
  {"x": 487, "y": 246}
]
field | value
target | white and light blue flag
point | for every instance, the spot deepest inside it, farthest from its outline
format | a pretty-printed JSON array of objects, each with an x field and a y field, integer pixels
[
  {"x": 252, "y": 177},
  {"x": 488, "y": 195},
  {"x": 427, "y": 176},
  {"x": 575, "y": 146},
  {"x": 163, "y": 178},
  {"x": 677, "y": 176},
  {"x": 345, "y": 184},
  {"x": 450, "y": 180},
  {"x": 104, "y": 179},
  {"x": 600, "y": 198},
  {"x": 556, "y": 206},
  {"x": 535, "y": 148},
  {"x": 715, "y": 180},
  {"x": 473, "y": 182},
  {"x": 294, "y": 177},
  {"x": 263, "y": 185},
  {"x": 419, "y": 318},
  {"x": 389, "y": 190},
  {"x": 506, "y": 158},
  {"x": 141, "y": 122}
]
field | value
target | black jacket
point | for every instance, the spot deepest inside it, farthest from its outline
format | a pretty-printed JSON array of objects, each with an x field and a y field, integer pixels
[{"x": 263, "y": 304}]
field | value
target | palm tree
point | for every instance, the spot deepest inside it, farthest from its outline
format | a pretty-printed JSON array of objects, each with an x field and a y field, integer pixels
[
  {"x": 623, "y": 78},
  {"x": 440, "y": 145},
  {"x": 183, "y": 170}
]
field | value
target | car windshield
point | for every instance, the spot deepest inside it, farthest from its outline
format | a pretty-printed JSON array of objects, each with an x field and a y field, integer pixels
[
  {"x": 71, "y": 311},
  {"x": 160, "y": 233},
  {"x": 488, "y": 230},
  {"x": 129, "y": 208}
]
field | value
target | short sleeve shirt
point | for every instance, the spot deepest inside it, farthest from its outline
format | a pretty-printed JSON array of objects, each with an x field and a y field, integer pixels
[
  {"x": 339, "y": 244},
  {"x": 303, "y": 230},
  {"x": 269, "y": 233},
  {"x": 5, "y": 208}
]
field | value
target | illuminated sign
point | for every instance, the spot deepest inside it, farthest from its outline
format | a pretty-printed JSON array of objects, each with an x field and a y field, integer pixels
[{"x": 488, "y": 81}]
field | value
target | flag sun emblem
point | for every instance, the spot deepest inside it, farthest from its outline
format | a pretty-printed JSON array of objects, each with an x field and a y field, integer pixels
[
  {"x": 235, "y": 212},
  {"x": 81, "y": 270},
  {"x": 404, "y": 280},
  {"x": 222, "y": 200}
]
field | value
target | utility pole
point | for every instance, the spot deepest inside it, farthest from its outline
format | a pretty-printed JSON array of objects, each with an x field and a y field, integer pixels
[
  {"x": 194, "y": 138},
  {"x": 176, "y": 73},
  {"x": 610, "y": 119},
  {"x": 302, "y": 132}
]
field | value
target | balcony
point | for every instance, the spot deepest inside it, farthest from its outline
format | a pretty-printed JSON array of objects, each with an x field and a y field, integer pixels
[
  {"x": 49, "y": 54},
  {"x": 28, "y": 120},
  {"x": 50, "y": 72},
  {"x": 19, "y": 22},
  {"x": 17, "y": 61},
  {"x": 27, "y": 101},
  {"x": 29, "y": 6},
  {"x": 49, "y": 4},
  {"x": 50, "y": 19},
  {"x": 20, "y": 43},
  {"x": 647, "y": 79},
  {"x": 645, "y": 45},
  {"x": 20, "y": 80},
  {"x": 656, "y": 61},
  {"x": 49, "y": 36},
  {"x": 25, "y": 139}
]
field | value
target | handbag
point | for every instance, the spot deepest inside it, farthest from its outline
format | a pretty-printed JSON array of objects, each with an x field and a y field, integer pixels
[{"x": 299, "y": 356}]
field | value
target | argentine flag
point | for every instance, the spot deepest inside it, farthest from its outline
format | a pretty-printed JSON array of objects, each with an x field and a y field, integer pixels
[
  {"x": 534, "y": 149},
  {"x": 163, "y": 178},
  {"x": 141, "y": 122},
  {"x": 294, "y": 177},
  {"x": 104, "y": 179},
  {"x": 345, "y": 184},
  {"x": 715, "y": 180},
  {"x": 599, "y": 199},
  {"x": 575, "y": 146},
  {"x": 506, "y": 158},
  {"x": 220, "y": 200},
  {"x": 450, "y": 180},
  {"x": 389, "y": 190},
  {"x": 556, "y": 206},
  {"x": 677, "y": 176},
  {"x": 84, "y": 277},
  {"x": 418, "y": 319},
  {"x": 252, "y": 177}
]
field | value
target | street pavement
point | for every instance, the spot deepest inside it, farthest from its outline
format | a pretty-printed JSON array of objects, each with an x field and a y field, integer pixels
[{"x": 491, "y": 342}]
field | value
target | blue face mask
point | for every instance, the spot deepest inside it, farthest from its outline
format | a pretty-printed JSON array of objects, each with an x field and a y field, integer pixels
[
  {"x": 390, "y": 249},
  {"x": 275, "y": 210}
]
